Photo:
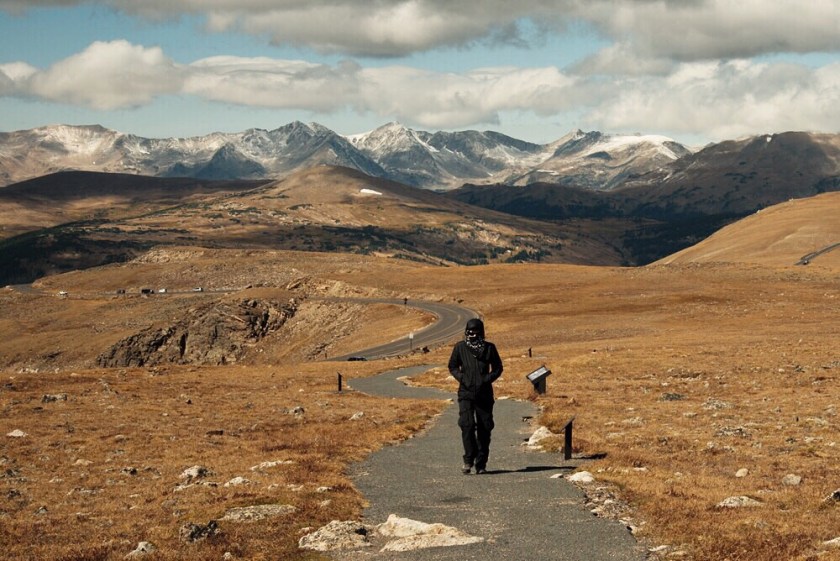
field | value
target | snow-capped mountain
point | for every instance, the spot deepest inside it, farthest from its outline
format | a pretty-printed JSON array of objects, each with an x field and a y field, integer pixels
[
  {"x": 441, "y": 160},
  {"x": 250, "y": 154},
  {"x": 446, "y": 159},
  {"x": 602, "y": 162}
]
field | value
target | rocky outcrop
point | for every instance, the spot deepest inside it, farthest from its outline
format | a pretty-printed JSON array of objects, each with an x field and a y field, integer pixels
[{"x": 214, "y": 334}]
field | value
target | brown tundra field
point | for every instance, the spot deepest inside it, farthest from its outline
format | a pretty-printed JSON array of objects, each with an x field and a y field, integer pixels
[{"x": 710, "y": 375}]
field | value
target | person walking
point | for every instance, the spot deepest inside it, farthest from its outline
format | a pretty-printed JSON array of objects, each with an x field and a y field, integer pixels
[{"x": 476, "y": 364}]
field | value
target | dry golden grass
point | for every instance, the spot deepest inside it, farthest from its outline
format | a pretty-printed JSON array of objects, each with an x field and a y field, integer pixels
[
  {"x": 678, "y": 375},
  {"x": 780, "y": 235},
  {"x": 101, "y": 471}
]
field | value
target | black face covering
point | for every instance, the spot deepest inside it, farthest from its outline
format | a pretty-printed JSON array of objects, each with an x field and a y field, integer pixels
[{"x": 474, "y": 336}]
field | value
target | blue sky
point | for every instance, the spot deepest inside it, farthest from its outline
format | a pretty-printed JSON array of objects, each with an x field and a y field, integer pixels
[{"x": 694, "y": 70}]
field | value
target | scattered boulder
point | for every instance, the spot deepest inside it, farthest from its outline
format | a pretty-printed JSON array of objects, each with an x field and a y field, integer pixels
[
  {"x": 835, "y": 543},
  {"x": 739, "y": 502},
  {"x": 51, "y": 398},
  {"x": 257, "y": 512},
  {"x": 357, "y": 416},
  {"x": 412, "y": 534},
  {"x": 581, "y": 477},
  {"x": 271, "y": 464},
  {"x": 142, "y": 549},
  {"x": 195, "y": 472},
  {"x": 196, "y": 532},
  {"x": 739, "y": 432},
  {"x": 791, "y": 480},
  {"x": 833, "y": 497},
  {"x": 17, "y": 433},
  {"x": 539, "y": 435},
  {"x": 337, "y": 536},
  {"x": 237, "y": 481},
  {"x": 743, "y": 472},
  {"x": 713, "y": 404}
]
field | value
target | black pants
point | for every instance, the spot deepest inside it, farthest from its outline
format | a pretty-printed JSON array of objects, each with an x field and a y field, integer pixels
[{"x": 476, "y": 422}]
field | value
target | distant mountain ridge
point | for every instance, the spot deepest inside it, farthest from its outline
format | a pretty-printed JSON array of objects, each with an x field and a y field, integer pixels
[{"x": 440, "y": 160}]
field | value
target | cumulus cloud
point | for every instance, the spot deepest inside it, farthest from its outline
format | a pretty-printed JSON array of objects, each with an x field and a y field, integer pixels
[
  {"x": 717, "y": 99},
  {"x": 724, "y": 100},
  {"x": 681, "y": 30},
  {"x": 104, "y": 76},
  {"x": 691, "y": 30},
  {"x": 410, "y": 95},
  {"x": 265, "y": 82},
  {"x": 451, "y": 100}
]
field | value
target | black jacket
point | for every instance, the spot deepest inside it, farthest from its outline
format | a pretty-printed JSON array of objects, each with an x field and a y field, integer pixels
[{"x": 475, "y": 374}]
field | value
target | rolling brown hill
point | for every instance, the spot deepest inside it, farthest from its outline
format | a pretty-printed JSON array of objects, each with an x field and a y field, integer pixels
[
  {"x": 92, "y": 219},
  {"x": 71, "y": 196},
  {"x": 781, "y": 235}
]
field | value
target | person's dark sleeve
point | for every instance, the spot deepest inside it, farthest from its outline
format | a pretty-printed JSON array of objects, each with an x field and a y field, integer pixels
[
  {"x": 495, "y": 365},
  {"x": 455, "y": 363}
]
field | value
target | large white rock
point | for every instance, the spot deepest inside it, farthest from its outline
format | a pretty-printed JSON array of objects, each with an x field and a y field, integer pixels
[
  {"x": 832, "y": 543},
  {"x": 791, "y": 480},
  {"x": 258, "y": 512},
  {"x": 142, "y": 549},
  {"x": 739, "y": 502},
  {"x": 412, "y": 534},
  {"x": 581, "y": 477},
  {"x": 539, "y": 435},
  {"x": 338, "y": 535},
  {"x": 195, "y": 472}
]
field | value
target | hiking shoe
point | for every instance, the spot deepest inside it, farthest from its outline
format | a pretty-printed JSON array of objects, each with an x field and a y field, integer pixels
[
  {"x": 480, "y": 470},
  {"x": 466, "y": 469}
]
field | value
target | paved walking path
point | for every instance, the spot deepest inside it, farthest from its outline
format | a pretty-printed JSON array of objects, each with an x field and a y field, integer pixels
[{"x": 516, "y": 507}]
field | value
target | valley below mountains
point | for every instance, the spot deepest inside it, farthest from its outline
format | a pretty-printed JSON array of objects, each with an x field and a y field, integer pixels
[{"x": 90, "y": 196}]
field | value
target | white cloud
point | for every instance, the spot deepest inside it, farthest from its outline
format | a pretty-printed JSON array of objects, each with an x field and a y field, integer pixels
[
  {"x": 711, "y": 99},
  {"x": 710, "y": 29},
  {"x": 725, "y": 100},
  {"x": 265, "y": 82},
  {"x": 438, "y": 100},
  {"x": 106, "y": 76},
  {"x": 682, "y": 30},
  {"x": 370, "y": 29},
  {"x": 414, "y": 96}
]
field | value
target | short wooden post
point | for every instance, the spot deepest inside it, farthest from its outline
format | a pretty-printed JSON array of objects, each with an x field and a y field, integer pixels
[
  {"x": 339, "y": 382},
  {"x": 567, "y": 444}
]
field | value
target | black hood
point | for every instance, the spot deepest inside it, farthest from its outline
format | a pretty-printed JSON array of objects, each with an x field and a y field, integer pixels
[{"x": 476, "y": 324}]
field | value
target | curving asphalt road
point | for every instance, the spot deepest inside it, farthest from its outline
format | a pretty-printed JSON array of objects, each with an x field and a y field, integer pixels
[
  {"x": 517, "y": 508},
  {"x": 806, "y": 259},
  {"x": 449, "y": 324}
]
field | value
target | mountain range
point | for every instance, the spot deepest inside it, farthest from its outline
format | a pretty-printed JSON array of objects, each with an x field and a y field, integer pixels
[
  {"x": 588, "y": 198},
  {"x": 440, "y": 160}
]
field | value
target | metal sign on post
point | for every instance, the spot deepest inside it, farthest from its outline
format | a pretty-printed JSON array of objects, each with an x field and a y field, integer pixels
[{"x": 537, "y": 377}]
